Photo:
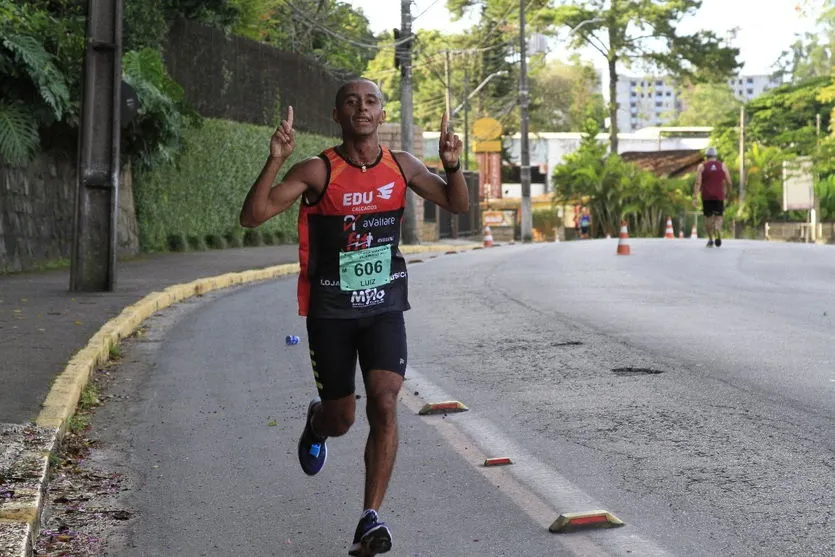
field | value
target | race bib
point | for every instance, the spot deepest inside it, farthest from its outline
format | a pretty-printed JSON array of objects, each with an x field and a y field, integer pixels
[{"x": 363, "y": 269}]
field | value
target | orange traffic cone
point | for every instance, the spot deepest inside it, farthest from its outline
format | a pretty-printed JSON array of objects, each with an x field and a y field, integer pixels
[
  {"x": 668, "y": 233},
  {"x": 694, "y": 235},
  {"x": 623, "y": 244},
  {"x": 488, "y": 237}
]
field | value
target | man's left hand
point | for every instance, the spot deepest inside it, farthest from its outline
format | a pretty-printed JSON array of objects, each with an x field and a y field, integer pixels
[{"x": 449, "y": 145}]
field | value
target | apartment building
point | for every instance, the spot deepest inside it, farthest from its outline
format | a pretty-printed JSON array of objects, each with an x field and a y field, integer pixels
[{"x": 654, "y": 101}]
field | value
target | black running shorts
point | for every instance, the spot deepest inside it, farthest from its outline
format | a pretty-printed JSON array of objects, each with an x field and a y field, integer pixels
[
  {"x": 713, "y": 207},
  {"x": 335, "y": 344}
]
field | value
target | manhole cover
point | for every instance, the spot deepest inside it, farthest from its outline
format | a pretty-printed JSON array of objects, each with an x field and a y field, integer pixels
[{"x": 636, "y": 371}]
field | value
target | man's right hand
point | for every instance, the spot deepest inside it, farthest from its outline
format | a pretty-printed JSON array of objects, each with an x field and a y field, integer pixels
[{"x": 283, "y": 141}]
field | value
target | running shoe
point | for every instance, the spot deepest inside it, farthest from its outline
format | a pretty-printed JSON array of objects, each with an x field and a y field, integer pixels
[
  {"x": 371, "y": 537},
  {"x": 312, "y": 449},
  {"x": 710, "y": 243},
  {"x": 718, "y": 241}
]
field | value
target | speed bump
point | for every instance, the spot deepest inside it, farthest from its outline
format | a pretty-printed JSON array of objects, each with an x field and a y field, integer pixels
[
  {"x": 570, "y": 522},
  {"x": 442, "y": 407}
]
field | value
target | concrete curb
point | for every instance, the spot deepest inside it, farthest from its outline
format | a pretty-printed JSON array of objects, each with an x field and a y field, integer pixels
[{"x": 20, "y": 516}]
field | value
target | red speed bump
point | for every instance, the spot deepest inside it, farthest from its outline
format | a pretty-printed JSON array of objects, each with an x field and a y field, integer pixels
[
  {"x": 498, "y": 461},
  {"x": 442, "y": 407},
  {"x": 569, "y": 522}
]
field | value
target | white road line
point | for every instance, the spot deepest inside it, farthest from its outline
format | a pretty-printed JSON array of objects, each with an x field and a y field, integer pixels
[{"x": 538, "y": 489}]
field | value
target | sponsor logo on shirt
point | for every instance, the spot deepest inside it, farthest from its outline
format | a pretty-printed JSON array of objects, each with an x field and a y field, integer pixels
[
  {"x": 368, "y": 297},
  {"x": 359, "y": 201},
  {"x": 384, "y": 192}
]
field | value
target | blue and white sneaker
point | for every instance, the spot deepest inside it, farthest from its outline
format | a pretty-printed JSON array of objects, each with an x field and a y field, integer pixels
[
  {"x": 371, "y": 537},
  {"x": 312, "y": 449}
]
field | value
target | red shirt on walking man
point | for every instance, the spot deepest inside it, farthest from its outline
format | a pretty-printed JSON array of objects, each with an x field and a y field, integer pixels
[{"x": 713, "y": 181}]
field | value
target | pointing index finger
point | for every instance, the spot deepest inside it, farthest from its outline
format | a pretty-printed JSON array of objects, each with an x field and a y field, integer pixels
[
  {"x": 444, "y": 123},
  {"x": 290, "y": 116}
]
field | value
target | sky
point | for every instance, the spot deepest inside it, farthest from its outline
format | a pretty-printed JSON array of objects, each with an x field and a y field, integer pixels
[{"x": 766, "y": 27}]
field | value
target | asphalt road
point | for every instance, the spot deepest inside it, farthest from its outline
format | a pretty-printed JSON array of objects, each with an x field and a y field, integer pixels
[{"x": 688, "y": 391}]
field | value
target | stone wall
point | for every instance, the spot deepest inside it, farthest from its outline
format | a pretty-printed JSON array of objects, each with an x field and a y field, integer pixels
[
  {"x": 37, "y": 206},
  {"x": 233, "y": 78}
]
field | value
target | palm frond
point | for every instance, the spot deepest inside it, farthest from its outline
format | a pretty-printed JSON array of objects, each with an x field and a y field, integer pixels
[
  {"x": 19, "y": 137},
  {"x": 38, "y": 64}
]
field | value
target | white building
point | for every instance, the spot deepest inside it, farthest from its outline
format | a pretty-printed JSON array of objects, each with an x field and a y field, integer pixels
[
  {"x": 749, "y": 87},
  {"x": 646, "y": 101},
  {"x": 654, "y": 100}
]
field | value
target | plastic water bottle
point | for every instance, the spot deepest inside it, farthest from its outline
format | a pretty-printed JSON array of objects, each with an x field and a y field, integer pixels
[{"x": 291, "y": 340}]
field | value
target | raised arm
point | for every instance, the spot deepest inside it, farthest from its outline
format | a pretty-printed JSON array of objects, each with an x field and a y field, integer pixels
[
  {"x": 450, "y": 194},
  {"x": 267, "y": 199}
]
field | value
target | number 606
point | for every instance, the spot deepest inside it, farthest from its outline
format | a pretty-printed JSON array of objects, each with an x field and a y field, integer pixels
[{"x": 368, "y": 268}]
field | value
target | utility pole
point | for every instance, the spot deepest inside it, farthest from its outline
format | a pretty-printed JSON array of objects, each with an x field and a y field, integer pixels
[
  {"x": 525, "y": 168},
  {"x": 410, "y": 224},
  {"x": 448, "y": 87},
  {"x": 466, "y": 119},
  {"x": 741, "y": 154},
  {"x": 95, "y": 227},
  {"x": 448, "y": 71}
]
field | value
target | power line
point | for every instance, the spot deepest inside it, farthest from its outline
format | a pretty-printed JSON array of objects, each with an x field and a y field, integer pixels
[
  {"x": 334, "y": 34},
  {"x": 432, "y": 5}
]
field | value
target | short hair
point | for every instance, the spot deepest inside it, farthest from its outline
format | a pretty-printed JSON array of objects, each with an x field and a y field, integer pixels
[
  {"x": 711, "y": 152},
  {"x": 340, "y": 94}
]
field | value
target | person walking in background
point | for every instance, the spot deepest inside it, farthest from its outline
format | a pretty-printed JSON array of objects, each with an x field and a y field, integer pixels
[
  {"x": 585, "y": 224},
  {"x": 713, "y": 182}
]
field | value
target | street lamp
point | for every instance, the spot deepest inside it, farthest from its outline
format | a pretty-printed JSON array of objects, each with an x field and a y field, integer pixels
[
  {"x": 465, "y": 105},
  {"x": 477, "y": 89}
]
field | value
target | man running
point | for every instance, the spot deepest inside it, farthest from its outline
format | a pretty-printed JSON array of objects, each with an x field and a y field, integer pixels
[
  {"x": 713, "y": 180},
  {"x": 353, "y": 281}
]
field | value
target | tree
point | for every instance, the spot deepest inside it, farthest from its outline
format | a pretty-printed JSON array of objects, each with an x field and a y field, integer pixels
[
  {"x": 494, "y": 47},
  {"x": 780, "y": 126},
  {"x": 615, "y": 190},
  {"x": 35, "y": 91},
  {"x": 563, "y": 96},
  {"x": 627, "y": 31},
  {"x": 330, "y": 30},
  {"x": 811, "y": 55},
  {"x": 706, "y": 104}
]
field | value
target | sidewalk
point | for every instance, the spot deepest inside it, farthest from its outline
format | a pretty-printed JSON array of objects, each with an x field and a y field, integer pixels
[{"x": 42, "y": 324}]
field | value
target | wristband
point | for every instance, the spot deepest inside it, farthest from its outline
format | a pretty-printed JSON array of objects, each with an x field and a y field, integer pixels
[{"x": 453, "y": 170}]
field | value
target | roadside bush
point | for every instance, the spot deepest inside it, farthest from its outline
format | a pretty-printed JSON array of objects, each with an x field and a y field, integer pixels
[
  {"x": 197, "y": 243},
  {"x": 215, "y": 241},
  {"x": 177, "y": 242},
  {"x": 202, "y": 191},
  {"x": 253, "y": 238},
  {"x": 268, "y": 237},
  {"x": 234, "y": 238}
]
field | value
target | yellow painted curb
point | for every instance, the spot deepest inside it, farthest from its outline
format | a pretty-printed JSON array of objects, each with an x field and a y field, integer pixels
[{"x": 63, "y": 396}]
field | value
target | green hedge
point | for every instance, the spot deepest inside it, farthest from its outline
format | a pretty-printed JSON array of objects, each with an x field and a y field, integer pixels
[{"x": 200, "y": 196}]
